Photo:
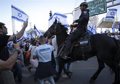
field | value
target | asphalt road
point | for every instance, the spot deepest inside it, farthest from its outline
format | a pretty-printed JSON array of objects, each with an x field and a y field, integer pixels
[{"x": 81, "y": 73}]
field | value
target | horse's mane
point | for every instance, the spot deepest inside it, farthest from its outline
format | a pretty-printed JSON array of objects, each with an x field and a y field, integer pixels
[
  {"x": 62, "y": 28},
  {"x": 57, "y": 29},
  {"x": 62, "y": 33}
]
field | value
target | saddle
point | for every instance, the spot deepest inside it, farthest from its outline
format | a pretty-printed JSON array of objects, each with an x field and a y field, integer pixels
[{"x": 84, "y": 44}]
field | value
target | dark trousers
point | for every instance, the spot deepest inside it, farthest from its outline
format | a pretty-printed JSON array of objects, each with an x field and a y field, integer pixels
[
  {"x": 73, "y": 36},
  {"x": 6, "y": 77},
  {"x": 17, "y": 71}
]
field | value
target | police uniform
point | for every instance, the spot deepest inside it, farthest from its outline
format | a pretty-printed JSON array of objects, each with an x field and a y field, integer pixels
[{"x": 81, "y": 29}]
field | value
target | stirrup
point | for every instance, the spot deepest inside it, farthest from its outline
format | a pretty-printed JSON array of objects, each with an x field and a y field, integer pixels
[{"x": 64, "y": 57}]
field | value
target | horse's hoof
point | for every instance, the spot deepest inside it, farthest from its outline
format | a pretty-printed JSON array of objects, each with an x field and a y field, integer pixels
[
  {"x": 92, "y": 81},
  {"x": 69, "y": 74},
  {"x": 115, "y": 83},
  {"x": 56, "y": 79}
]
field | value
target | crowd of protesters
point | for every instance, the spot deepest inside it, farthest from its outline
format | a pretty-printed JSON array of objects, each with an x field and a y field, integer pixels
[{"x": 14, "y": 56}]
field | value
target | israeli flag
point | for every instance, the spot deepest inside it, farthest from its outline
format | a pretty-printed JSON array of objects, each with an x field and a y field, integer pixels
[
  {"x": 37, "y": 32},
  {"x": 111, "y": 14},
  {"x": 113, "y": 29},
  {"x": 18, "y": 14},
  {"x": 119, "y": 26},
  {"x": 60, "y": 17},
  {"x": 91, "y": 28}
]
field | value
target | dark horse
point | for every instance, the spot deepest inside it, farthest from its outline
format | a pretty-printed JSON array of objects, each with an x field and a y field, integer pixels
[{"x": 105, "y": 48}]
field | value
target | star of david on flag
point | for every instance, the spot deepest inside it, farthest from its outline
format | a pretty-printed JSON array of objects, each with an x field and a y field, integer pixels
[
  {"x": 18, "y": 14},
  {"x": 111, "y": 13}
]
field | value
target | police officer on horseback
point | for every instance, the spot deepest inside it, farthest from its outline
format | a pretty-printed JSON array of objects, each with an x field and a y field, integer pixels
[{"x": 81, "y": 25}]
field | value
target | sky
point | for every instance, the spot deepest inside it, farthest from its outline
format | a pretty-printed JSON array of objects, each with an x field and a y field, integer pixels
[{"x": 38, "y": 11}]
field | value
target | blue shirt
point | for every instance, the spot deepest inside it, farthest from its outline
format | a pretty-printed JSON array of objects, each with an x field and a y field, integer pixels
[{"x": 43, "y": 52}]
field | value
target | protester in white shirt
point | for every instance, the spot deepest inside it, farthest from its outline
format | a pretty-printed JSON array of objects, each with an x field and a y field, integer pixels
[{"x": 45, "y": 70}]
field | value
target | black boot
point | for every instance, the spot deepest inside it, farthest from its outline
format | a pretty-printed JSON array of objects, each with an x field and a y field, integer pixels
[{"x": 84, "y": 57}]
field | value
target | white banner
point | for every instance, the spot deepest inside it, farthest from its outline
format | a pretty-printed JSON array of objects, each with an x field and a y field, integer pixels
[
  {"x": 18, "y": 14},
  {"x": 60, "y": 17},
  {"x": 111, "y": 14}
]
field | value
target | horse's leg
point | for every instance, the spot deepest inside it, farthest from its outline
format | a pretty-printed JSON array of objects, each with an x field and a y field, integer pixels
[
  {"x": 117, "y": 75},
  {"x": 100, "y": 68},
  {"x": 66, "y": 70},
  {"x": 68, "y": 67},
  {"x": 112, "y": 63},
  {"x": 116, "y": 69},
  {"x": 60, "y": 68},
  {"x": 53, "y": 61}
]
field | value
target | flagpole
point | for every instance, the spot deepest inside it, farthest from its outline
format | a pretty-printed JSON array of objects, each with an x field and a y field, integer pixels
[
  {"x": 13, "y": 22},
  {"x": 37, "y": 31},
  {"x": 13, "y": 29},
  {"x": 30, "y": 25},
  {"x": 13, "y": 26}
]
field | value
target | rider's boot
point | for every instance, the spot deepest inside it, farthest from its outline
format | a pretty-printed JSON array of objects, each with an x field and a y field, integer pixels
[
  {"x": 84, "y": 57},
  {"x": 65, "y": 54}
]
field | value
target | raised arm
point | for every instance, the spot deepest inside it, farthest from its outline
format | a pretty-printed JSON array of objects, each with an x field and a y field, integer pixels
[{"x": 20, "y": 33}]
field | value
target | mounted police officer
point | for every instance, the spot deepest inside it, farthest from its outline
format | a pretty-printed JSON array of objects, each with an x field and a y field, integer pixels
[{"x": 81, "y": 25}]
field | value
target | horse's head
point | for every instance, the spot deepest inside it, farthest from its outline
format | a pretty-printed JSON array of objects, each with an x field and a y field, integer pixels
[{"x": 55, "y": 29}]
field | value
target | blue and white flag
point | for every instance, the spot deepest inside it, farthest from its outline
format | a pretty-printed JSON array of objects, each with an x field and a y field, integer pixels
[
  {"x": 113, "y": 29},
  {"x": 60, "y": 17},
  {"x": 115, "y": 25},
  {"x": 38, "y": 33},
  {"x": 18, "y": 14},
  {"x": 111, "y": 14},
  {"x": 119, "y": 26},
  {"x": 91, "y": 28}
]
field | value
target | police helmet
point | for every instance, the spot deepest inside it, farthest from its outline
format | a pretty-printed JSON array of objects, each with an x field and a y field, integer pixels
[{"x": 84, "y": 4}]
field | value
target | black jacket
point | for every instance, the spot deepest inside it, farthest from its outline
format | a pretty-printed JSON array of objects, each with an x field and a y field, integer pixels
[
  {"x": 83, "y": 19},
  {"x": 4, "y": 54}
]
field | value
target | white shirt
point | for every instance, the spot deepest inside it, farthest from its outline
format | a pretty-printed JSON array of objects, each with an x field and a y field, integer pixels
[{"x": 43, "y": 52}]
